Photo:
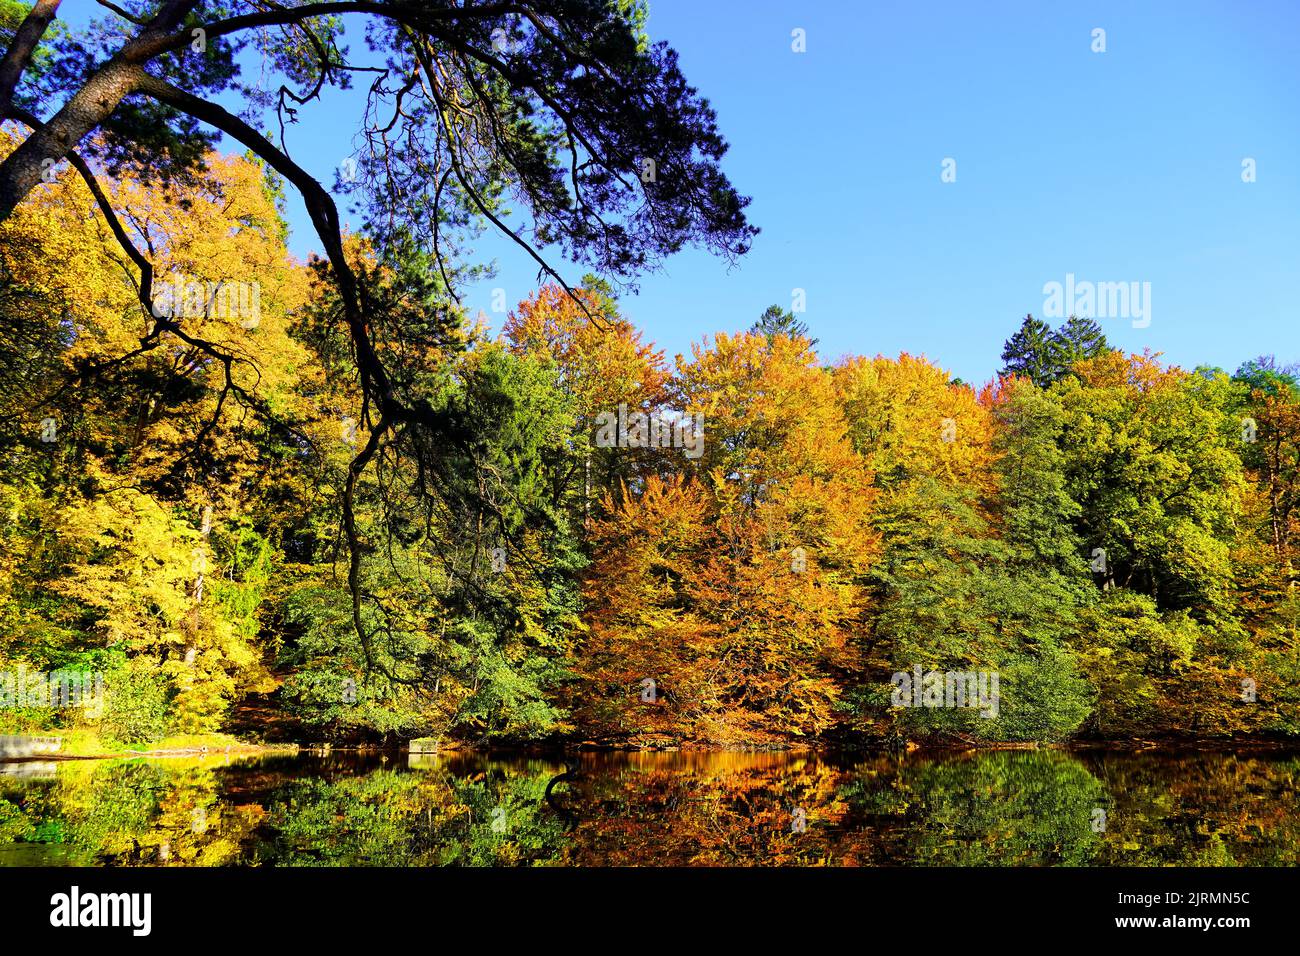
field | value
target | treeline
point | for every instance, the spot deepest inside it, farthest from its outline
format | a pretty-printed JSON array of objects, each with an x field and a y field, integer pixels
[{"x": 185, "y": 512}]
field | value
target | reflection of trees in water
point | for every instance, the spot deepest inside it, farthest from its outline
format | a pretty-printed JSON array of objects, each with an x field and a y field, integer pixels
[
  {"x": 1004, "y": 808},
  {"x": 705, "y": 809},
  {"x": 481, "y": 817},
  {"x": 1201, "y": 809},
  {"x": 992, "y": 809},
  {"x": 133, "y": 812},
  {"x": 1017, "y": 808},
  {"x": 984, "y": 809}
]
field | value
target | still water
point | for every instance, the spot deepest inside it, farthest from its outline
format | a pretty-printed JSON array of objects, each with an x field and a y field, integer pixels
[{"x": 678, "y": 809}]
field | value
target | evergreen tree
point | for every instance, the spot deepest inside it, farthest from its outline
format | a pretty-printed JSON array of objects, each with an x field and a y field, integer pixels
[
  {"x": 777, "y": 321},
  {"x": 1033, "y": 352},
  {"x": 1045, "y": 356},
  {"x": 1080, "y": 338}
]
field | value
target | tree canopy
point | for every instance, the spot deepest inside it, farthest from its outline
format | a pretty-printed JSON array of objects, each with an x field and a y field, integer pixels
[{"x": 559, "y": 109}]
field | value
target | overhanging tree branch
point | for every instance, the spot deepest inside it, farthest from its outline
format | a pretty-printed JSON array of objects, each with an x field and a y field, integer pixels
[
  {"x": 324, "y": 215},
  {"x": 20, "y": 51}
]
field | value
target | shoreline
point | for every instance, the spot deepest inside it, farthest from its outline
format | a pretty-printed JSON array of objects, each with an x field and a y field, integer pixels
[{"x": 1172, "y": 747}]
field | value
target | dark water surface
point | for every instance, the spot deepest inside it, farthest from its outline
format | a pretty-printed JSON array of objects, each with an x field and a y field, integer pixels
[{"x": 1000, "y": 809}]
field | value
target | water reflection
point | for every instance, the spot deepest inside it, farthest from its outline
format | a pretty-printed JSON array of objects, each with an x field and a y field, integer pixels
[{"x": 684, "y": 809}]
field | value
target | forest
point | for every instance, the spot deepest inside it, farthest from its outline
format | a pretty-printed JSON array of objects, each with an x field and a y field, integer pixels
[
  {"x": 1111, "y": 536},
  {"x": 321, "y": 500}
]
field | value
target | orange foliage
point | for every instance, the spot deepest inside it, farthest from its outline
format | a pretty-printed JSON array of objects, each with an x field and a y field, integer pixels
[
  {"x": 600, "y": 365},
  {"x": 734, "y": 585},
  {"x": 1142, "y": 373}
]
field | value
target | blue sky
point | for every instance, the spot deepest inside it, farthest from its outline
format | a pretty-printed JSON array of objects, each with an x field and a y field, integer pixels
[{"x": 1117, "y": 166}]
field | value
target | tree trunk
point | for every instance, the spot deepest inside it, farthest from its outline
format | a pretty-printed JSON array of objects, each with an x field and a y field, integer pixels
[
  {"x": 87, "y": 109},
  {"x": 21, "y": 49},
  {"x": 90, "y": 106}
]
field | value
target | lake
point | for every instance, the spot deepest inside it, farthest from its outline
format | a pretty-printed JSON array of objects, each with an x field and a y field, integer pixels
[{"x": 1007, "y": 808}]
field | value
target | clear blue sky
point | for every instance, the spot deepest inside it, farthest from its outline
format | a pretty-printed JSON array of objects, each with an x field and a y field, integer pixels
[{"x": 1117, "y": 166}]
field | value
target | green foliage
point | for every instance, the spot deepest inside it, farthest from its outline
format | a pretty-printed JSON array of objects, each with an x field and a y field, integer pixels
[
  {"x": 1032, "y": 352},
  {"x": 431, "y": 818},
  {"x": 1265, "y": 375},
  {"x": 1156, "y": 472},
  {"x": 1043, "y": 698},
  {"x": 1001, "y": 809},
  {"x": 136, "y": 709},
  {"x": 1038, "y": 511},
  {"x": 955, "y": 598},
  {"x": 472, "y": 612}
]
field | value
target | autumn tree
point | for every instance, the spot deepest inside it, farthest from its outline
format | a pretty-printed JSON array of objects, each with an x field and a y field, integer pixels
[
  {"x": 962, "y": 584},
  {"x": 907, "y": 421},
  {"x": 1270, "y": 423},
  {"x": 600, "y": 367},
  {"x": 147, "y": 567},
  {"x": 734, "y": 586},
  {"x": 566, "y": 108}
]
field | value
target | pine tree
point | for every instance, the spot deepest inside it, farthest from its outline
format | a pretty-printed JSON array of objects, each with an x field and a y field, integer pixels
[
  {"x": 777, "y": 321},
  {"x": 1079, "y": 339},
  {"x": 1034, "y": 352}
]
